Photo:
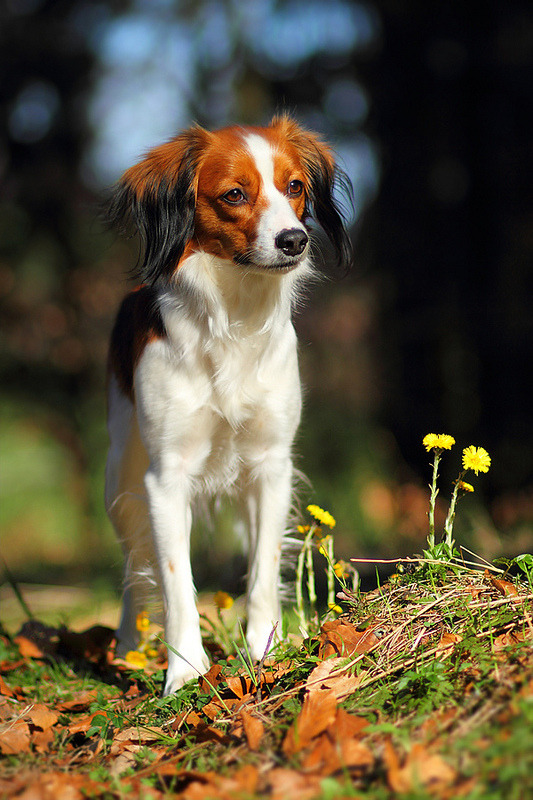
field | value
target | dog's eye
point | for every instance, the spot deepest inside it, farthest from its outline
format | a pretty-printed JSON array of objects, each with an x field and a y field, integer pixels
[
  {"x": 295, "y": 188},
  {"x": 234, "y": 196}
]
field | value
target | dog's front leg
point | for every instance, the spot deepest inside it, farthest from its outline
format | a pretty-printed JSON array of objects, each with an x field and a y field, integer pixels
[
  {"x": 269, "y": 502},
  {"x": 170, "y": 517}
]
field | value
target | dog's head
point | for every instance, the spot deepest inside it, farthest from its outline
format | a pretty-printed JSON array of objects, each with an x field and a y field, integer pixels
[{"x": 242, "y": 194}]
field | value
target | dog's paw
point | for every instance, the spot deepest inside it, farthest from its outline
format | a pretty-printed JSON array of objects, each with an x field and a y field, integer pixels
[{"x": 181, "y": 672}]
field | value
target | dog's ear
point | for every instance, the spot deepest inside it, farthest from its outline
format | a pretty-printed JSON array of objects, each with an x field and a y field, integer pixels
[
  {"x": 157, "y": 198},
  {"x": 322, "y": 175}
]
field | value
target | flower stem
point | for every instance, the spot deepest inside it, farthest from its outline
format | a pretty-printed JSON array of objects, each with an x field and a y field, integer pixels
[
  {"x": 311, "y": 588},
  {"x": 330, "y": 572},
  {"x": 448, "y": 525},
  {"x": 302, "y": 557},
  {"x": 433, "y": 498}
]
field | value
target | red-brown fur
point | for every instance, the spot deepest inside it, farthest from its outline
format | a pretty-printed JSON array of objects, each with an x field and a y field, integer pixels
[{"x": 137, "y": 324}]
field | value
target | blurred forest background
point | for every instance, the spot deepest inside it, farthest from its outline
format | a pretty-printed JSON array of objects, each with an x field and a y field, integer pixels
[{"x": 429, "y": 106}]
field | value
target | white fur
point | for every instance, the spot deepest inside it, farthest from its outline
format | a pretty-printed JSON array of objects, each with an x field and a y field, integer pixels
[
  {"x": 279, "y": 214},
  {"x": 217, "y": 404}
]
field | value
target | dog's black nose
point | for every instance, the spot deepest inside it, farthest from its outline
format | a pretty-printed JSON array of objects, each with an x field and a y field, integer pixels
[{"x": 292, "y": 241}]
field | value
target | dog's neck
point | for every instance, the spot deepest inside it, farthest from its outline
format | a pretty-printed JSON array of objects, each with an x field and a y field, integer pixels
[{"x": 230, "y": 301}]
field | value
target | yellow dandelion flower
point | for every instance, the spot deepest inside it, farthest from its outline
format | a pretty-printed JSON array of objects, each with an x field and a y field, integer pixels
[
  {"x": 438, "y": 441},
  {"x": 322, "y": 516},
  {"x": 223, "y": 600},
  {"x": 135, "y": 659},
  {"x": 464, "y": 486},
  {"x": 476, "y": 458},
  {"x": 303, "y": 528},
  {"x": 335, "y": 608},
  {"x": 142, "y": 623}
]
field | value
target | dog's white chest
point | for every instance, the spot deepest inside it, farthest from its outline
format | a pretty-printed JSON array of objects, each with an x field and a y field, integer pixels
[{"x": 219, "y": 404}]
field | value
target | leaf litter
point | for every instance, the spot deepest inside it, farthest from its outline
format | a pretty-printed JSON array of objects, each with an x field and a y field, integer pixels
[{"x": 374, "y": 700}]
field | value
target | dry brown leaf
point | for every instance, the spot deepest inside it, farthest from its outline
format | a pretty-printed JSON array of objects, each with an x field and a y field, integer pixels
[
  {"x": 286, "y": 783},
  {"x": 211, "y": 678},
  {"x": 318, "y": 712},
  {"x": 253, "y": 729},
  {"x": 15, "y": 738},
  {"x": 5, "y": 689},
  {"x": 331, "y": 754},
  {"x": 41, "y": 716},
  {"x": 347, "y": 726},
  {"x": 420, "y": 768},
  {"x": 83, "y": 724},
  {"x": 341, "y": 638},
  {"x": 79, "y": 702},
  {"x": 124, "y": 760},
  {"x": 447, "y": 642},
  {"x": 138, "y": 735},
  {"x": 28, "y": 648},
  {"x": 41, "y": 740},
  {"x": 324, "y": 678},
  {"x": 240, "y": 685},
  {"x": 212, "y": 785},
  {"x": 56, "y": 786},
  {"x": 505, "y": 588}
]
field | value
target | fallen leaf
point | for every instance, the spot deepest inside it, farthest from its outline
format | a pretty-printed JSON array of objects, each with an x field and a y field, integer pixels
[
  {"x": 28, "y": 649},
  {"x": 332, "y": 753},
  {"x": 342, "y": 638},
  {"x": 41, "y": 716},
  {"x": 318, "y": 712},
  {"x": 83, "y": 724},
  {"x": 123, "y": 761},
  {"x": 5, "y": 689},
  {"x": 505, "y": 588},
  {"x": 328, "y": 676},
  {"x": 15, "y": 738},
  {"x": 240, "y": 685},
  {"x": 253, "y": 729},
  {"x": 211, "y": 678},
  {"x": 420, "y": 768},
  {"x": 36, "y": 640},
  {"x": 286, "y": 783},
  {"x": 57, "y": 785},
  {"x": 447, "y": 642},
  {"x": 139, "y": 735},
  {"x": 212, "y": 785},
  {"x": 347, "y": 726},
  {"x": 79, "y": 702},
  {"x": 41, "y": 740}
]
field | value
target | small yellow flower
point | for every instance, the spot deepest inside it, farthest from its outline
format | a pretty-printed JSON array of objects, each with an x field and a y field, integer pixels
[
  {"x": 223, "y": 600},
  {"x": 438, "y": 441},
  {"x": 476, "y": 458},
  {"x": 322, "y": 516},
  {"x": 135, "y": 659},
  {"x": 303, "y": 528},
  {"x": 465, "y": 487},
  {"x": 335, "y": 608},
  {"x": 142, "y": 623},
  {"x": 341, "y": 569}
]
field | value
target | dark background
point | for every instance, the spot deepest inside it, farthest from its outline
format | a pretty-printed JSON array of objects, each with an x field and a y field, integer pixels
[{"x": 431, "y": 332}]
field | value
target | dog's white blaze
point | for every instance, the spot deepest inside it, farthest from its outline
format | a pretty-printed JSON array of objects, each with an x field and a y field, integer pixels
[{"x": 279, "y": 214}]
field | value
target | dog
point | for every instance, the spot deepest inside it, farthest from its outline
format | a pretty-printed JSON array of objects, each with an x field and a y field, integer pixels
[{"x": 204, "y": 392}]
